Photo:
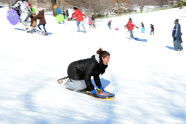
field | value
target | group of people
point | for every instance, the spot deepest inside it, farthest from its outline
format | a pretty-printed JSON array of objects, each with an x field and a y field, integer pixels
[
  {"x": 61, "y": 15},
  {"x": 130, "y": 26},
  {"x": 176, "y": 33},
  {"x": 81, "y": 71},
  {"x": 26, "y": 12},
  {"x": 92, "y": 21}
]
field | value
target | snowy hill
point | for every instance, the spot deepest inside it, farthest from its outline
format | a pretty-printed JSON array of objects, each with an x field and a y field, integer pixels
[{"x": 148, "y": 78}]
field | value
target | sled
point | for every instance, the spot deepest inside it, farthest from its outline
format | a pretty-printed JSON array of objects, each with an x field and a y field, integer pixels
[
  {"x": 31, "y": 32},
  {"x": 100, "y": 94},
  {"x": 140, "y": 39}
]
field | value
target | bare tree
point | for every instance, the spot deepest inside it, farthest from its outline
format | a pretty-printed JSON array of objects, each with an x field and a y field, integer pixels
[
  {"x": 142, "y": 3},
  {"x": 162, "y": 2}
]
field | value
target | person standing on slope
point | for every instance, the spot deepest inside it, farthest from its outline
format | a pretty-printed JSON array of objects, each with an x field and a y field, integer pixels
[
  {"x": 142, "y": 28},
  {"x": 151, "y": 29},
  {"x": 130, "y": 26},
  {"x": 93, "y": 21},
  {"x": 80, "y": 17},
  {"x": 24, "y": 11},
  {"x": 109, "y": 24},
  {"x": 90, "y": 22},
  {"x": 80, "y": 72},
  {"x": 67, "y": 13},
  {"x": 177, "y": 36},
  {"x": 42, "y": 21}
]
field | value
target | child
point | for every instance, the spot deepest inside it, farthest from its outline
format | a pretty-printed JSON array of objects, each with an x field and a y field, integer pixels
[
  {"x": 60, "y": 19},
  {"x": 151, "y": 29},
  {"x": 33, "y": 22},
  {"x": 41, "y": 17},
  {"x": 109, "y": 24},
  {"x": 90, "y": 22},
  {"x": 93, "y": 21},
  {"x": 142, "y": 28}
]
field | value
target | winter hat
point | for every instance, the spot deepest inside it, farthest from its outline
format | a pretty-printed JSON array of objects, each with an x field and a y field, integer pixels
[
  {"x": 75, "y": 8},
  {"x": 177, "y": 20}
]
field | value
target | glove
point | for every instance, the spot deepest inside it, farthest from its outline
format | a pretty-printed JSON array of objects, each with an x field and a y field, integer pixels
[
  {"x": 102, "y": 89},
  {"x": 93, "y": 92}
]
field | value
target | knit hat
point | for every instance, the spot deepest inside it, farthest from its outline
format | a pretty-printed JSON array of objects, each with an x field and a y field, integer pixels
[{"x": 177, "y": 20}]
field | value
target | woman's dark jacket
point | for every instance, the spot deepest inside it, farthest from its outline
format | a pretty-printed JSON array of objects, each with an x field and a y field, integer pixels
[
  {"x": 84, "y": 69},
  {"x": 176, "y": 33}
]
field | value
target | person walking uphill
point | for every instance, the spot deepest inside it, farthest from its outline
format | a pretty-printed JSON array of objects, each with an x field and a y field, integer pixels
[
  {"x": 80, "y": 72},
  {"x": 80, "y": 17},
  {"x": 177, "y": 36},
  {"x": 93, "y": 21},
  {"x": 130, "y": 26},
  {"x": 41, "y": 17}
]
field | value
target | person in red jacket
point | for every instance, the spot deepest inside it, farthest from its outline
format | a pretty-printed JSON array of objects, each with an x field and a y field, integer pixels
[
  {"x": 130, "y": 26},
  {"x": 80, "y": 17}
]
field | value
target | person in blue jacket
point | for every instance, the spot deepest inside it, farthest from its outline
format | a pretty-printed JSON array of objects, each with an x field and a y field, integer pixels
[
  {"x": 177, "y": 36},
  {"x": 58, "y": 10}
]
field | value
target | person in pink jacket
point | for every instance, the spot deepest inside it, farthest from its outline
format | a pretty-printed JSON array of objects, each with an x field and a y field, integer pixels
[{"x": 90, "y": 22}]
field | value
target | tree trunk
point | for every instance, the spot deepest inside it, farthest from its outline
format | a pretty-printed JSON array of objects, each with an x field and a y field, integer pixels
[
  {"x": 10, "y": 4},
  {"x": 54, "y": 6}
]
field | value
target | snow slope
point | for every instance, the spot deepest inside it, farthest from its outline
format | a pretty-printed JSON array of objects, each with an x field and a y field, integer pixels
[{"x": 148, "y": 78}]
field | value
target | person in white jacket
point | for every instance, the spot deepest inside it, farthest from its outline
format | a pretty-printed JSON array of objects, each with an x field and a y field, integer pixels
[{"x": 24, "y": 10}]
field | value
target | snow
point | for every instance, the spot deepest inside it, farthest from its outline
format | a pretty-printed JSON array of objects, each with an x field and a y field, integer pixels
[{"x": 148, "y": 78}]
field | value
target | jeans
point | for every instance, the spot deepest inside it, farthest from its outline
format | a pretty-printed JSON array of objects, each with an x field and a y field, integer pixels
[
  {"x": 43, "y": 27},
  {"x": 177, "y": 45},
  {"x": 152, "y": 33},
  {"x": 131, "y": 34},
  {"x": 75, "y": 85},
  {"x": 81, "y": 24}
]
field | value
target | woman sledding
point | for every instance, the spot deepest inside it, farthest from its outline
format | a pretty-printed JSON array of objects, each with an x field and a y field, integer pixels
[{"x": 80, "y": 72}]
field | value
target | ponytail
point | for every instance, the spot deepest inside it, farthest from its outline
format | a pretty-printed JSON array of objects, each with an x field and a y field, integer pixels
[
  {"x": 99, "y": 51},
  {"x": 103, "y": 53}
]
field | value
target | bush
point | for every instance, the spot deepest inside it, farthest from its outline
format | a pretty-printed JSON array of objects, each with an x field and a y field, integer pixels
[
  {"x": 181, "y": 4},
  {"x": 99, "y": 16}
]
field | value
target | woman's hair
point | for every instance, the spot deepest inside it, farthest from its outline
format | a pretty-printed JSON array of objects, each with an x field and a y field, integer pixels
[{"x": 103, "y": 53}]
